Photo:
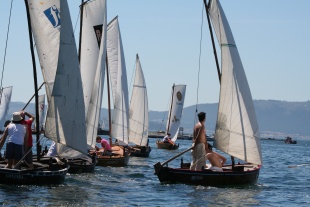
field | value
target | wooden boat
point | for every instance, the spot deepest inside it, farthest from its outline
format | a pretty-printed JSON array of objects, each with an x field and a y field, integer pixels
[
  {"x": 119, "y": 158},
  {"x": 289, "y": 140},
  {"x": 139, "y": 115},
  {"x": 174, "y": 116},
  {"x": 140, "y": 151},
  {"x": 50, "y": 173},
  {"x": 92, "y": 52},
  {"x": 236, "y": 131},
  {"x": 54, "y": 170},
  {"x": 65, "y": 119},
  {"x": 116, "y": 72},
  {"x": 240, "y": 174},
  {"x": 162, "y": 145}
]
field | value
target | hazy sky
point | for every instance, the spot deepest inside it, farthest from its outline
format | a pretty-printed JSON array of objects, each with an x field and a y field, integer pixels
[{"x": 273, "y": 39}]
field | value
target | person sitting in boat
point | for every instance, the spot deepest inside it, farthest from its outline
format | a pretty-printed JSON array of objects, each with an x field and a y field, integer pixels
[
  {"x": 106, "y": 148},
  {"x": 217, "y": 161},
  {"x": 17, "y": 141},
  {"x": 167, "y": 139}
]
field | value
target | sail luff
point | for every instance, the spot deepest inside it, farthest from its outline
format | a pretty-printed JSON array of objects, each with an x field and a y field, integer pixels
[{"x": 236, "y": 130}]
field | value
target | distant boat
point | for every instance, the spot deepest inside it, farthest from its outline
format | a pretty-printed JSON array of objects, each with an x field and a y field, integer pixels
[
  {"x": 289, "y": 140},
  {"x": 139, "y": 115},
  {"x": 5, "y": 99},
  {"x": 236, "y": 131},
  {"x": 174, "y": 117}
]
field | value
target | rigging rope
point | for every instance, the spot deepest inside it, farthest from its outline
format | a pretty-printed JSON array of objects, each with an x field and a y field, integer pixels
[
  {"x": 6, "y": 45},
  {"x": 196, "y": 111},
  {"x": 133, "y": 72}
]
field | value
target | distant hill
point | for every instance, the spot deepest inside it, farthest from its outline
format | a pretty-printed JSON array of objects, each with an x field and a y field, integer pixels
[{"x": 273, "y": 116}]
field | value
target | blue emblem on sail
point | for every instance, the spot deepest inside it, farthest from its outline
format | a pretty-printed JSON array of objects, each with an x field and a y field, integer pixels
[{"x": 52, "y": 14}]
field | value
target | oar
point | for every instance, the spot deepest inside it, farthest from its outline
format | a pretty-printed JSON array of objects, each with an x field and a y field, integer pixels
[
  {"x": 158, "y": 166},
  {"x": 293, "y": 166}
]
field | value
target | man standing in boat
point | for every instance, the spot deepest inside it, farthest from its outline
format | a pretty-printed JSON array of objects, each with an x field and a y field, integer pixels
[
  {"x": 199, "y": 143},
  {"x": 28, "y": 124}
]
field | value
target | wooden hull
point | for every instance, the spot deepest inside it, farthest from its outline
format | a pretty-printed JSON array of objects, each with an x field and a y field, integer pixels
[
  {"x": 42, "y": 174},
  {"x": 140, "y": 151},
  {"x": 80, "y": 165},
  {"x": 162, "y": 145},
  {"x": 113, "y": 161},
  {"x": 243, "y": 174},
  {"x": 290, "y": 142}
]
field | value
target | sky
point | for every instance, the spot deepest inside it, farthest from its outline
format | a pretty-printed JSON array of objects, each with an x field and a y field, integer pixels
[{"x": 173, "y": 42}]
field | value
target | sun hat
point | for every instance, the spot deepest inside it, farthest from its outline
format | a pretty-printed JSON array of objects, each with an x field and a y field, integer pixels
[{"x": 17, "y": 116}]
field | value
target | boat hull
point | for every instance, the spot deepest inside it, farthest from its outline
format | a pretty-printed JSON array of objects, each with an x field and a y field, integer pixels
[
  {"x": 140, "y": 151},
  {"x": 113, "y": 161},
  {"x": 41, "y": 175},
  {"x": 240, "y": 176},
  {"x": 162, "y": 145},
  {"x": 81, "y": 165}
]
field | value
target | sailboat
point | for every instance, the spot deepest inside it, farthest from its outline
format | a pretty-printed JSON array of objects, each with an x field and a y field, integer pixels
[
  {"x": 236, "y": 131},
  {"x": 55, "y": 52},
  {"x": 92, "y": 55},
  {"x": 118, "y": 124},
  {"x": 139, "y": 115},
  {"x": 5, "y": 98},
  {"x": 174, "y": 117}
]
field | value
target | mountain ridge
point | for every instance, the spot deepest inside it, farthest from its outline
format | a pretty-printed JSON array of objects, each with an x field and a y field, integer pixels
[{"x": 273, "y": 116}]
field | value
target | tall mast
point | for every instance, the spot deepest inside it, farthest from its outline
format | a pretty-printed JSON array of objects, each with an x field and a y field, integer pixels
[
  {"x": 212, "y": 38},
  {"x": 109, "y": 106},
  {"x": 81, "y": 25},
  {"x": 168, "y": 129},
  {"x": 35, "y": 82}
]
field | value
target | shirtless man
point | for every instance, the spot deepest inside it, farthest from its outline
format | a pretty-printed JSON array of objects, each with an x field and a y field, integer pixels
[
  {"x": 199, "y": 142},
  {"x": 217, "y": 161}
]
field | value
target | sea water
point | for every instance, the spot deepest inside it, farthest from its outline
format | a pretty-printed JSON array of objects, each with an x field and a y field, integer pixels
[{"x": 283, "y": 181}]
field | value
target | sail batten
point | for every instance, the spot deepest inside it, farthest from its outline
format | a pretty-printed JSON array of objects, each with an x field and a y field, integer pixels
[{"x": 236, "y": 130}]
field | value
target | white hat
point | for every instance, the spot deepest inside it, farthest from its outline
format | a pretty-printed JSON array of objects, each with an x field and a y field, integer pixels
[{"x": 17, "y": 116}]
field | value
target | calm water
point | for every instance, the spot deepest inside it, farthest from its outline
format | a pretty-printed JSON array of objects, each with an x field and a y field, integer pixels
[{"x": 136, "y": 185}]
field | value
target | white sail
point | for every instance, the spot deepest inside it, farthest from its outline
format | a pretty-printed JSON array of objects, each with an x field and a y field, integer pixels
[
  {"x": 56, "y": 48},
  {"x": 176, "y": 110},
  {"x": 5, "y": 98},
  {"x": 237, "y": 130},
  {"x": 118, "y": 77},
  {"x": 92, "y": 61},
  {"x": 139, "y": 110}
]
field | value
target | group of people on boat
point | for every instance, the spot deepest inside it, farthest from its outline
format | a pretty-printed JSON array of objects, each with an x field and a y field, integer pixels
[
  {"x": 289, "y": 140},
  {"x": 19, "y": 140},
  {"x": 202, "y": 150},
  {"x": 167, "y": 139}
]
